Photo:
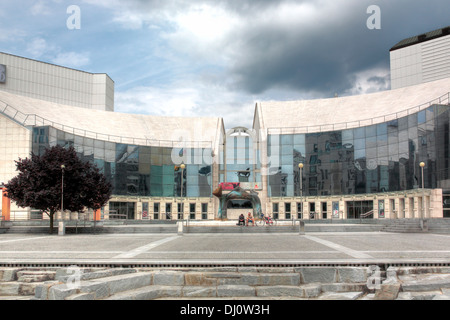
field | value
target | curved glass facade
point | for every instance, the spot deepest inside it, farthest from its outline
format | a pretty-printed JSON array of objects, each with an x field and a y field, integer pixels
[
  {"x": 136, "y": 170},
  {"x": 377, "y": 158}
]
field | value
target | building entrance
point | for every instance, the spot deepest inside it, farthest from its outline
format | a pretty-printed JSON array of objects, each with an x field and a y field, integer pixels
[
  {"x": 238, "y": 199},
  {"x": 122, "y": 210},
  {"x": 236, "y": 207},
  {"x": 356, "y": 208}
]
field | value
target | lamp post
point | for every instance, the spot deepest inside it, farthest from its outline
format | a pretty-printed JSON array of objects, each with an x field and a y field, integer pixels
[
  {"x": 182, "y": 166},
  {"x": 422, "y": 165},
  {"x": 62, "y": 190},
  {"x": 300, "y": 166}
]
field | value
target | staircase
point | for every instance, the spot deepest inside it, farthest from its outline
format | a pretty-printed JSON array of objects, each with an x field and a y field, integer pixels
[
  {"x": 441, "y": 226},
  {"x": 242, "y": 229},
  {"x": 403, "y": 226}
]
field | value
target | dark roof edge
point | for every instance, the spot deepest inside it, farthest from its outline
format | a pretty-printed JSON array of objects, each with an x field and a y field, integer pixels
[{"x": 422, "y": 38}]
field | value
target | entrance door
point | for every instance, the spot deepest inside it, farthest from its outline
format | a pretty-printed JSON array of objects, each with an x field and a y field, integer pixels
[
  {"x": 324, "y": 210},
  {"x": 123, "y": 210},
  {"x": 446, "y": 205},
  {"x": 356, "y": 208}
]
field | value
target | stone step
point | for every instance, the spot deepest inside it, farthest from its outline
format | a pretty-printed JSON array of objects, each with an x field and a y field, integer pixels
[
  {"x": 424, "y": 282},
  {"x": 240, "y": 229},
  {"x": 95, "y": 289},
  {"x": 157, "y": 228},
  {"x": 318, "y": 283},
  {"x": 300, "y": 282},
  {"x": 285, "y": 228},
  {"x": 155, "y": 292},
  {"x": 35, "y": 276}
]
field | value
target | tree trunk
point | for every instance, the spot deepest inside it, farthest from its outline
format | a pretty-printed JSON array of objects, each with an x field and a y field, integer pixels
[{"x": 51, "y": 222}]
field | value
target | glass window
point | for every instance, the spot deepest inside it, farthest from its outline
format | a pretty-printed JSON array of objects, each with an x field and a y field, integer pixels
[
  {"x": 287, "y": 139},
  {"x": 421, "y": 117},
  {"x": 381, "y": 129},
  {"x": 192, "y": 211},
  {"x": 412, "y": 120},
  {"x": 299, "y": 140},
  {"x": 403, "y": 123},
  {"x": 359, "y": 133},
  {"x": 360, "y": 144},
  {"x": 371, "y": 131}
]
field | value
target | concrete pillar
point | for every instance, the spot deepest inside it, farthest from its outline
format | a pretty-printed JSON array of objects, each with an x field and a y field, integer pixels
[
  {"x": 343, "y": 209},
  {"x": 61, "y": 228},
  {"x": 138, "y": 215},
  {"x": 302, "y": 227}
]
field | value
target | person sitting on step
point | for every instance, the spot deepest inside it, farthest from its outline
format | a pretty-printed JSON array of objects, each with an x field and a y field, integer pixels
[
  {"x": 241, "y": 220},
  {"x": 250, "y": 219}
]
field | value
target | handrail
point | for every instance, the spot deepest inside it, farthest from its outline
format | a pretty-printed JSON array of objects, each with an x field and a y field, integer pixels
[
  {"x": 445, "y": 98},
  {"x": 365, "y": 215},
  {"x": 36, "y": 120}
]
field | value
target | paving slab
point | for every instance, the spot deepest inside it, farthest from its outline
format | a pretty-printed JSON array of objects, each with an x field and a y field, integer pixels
[{"x": 245, "y": 249}]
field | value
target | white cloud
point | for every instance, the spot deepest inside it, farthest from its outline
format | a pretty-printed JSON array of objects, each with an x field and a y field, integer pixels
[
  {"x": 72, "y": 59},
  {"x": 370, "y": 81},
  {"x": 188, "y": 99},
  {"x": 40, "y": 8},
  {"x": 39, "y": 48},
  {"x": 43, "y": 7}
]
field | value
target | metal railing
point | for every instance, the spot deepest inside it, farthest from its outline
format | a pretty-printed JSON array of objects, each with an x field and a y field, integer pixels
[
  {"x": 37, "y": 121},
  {"x": 365, "y": 215},
  {"x": 442, "y": 100}
]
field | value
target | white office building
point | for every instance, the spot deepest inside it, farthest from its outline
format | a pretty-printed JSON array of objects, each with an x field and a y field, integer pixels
[
  {"x": 421, "y": 59},
  {"x": 45, "y": 81}
]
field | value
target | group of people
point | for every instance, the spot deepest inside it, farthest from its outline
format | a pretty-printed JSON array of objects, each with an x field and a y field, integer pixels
[{"x": 242, "y": 220}]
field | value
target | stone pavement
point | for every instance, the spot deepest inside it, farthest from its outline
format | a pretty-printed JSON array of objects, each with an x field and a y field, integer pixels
[
  {"x": 273, "y": 266},
  {"x": 225, "y": 249}
]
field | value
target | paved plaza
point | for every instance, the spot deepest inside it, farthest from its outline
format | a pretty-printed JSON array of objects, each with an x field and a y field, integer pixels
[{"x": 221, "y": 248}]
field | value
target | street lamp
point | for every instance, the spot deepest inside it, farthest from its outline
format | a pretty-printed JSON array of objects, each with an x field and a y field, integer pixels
[
  {"x": 62, "y": 190},
  {"x": 300, "y": 166},
  {"x": 422, "y": 165},
  {"x": 182, "y": 166}
]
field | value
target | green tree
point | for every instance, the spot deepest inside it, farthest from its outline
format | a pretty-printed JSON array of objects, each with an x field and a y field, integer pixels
[{"x": 43, "y": 180}]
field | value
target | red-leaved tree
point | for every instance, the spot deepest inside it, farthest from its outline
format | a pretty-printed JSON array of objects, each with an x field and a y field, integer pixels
[{"x": 38, "y": 184}]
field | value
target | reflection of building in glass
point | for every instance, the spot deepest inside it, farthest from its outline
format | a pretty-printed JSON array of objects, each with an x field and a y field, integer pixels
[
  {"x": 361, "y": 155},
  {"x": 348, "y": 150}
]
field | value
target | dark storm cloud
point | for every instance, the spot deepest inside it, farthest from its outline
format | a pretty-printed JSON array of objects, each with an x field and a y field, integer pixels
[
  {"x": 321, "y": 54},
  {"x": 325, "y": 56}
]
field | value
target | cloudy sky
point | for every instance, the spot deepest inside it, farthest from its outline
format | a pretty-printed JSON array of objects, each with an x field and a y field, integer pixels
[{"x": 218, "y": 57}]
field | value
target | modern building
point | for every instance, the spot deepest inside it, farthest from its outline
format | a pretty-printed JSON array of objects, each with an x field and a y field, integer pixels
[
  {"x": 359, "y": 154},
  {"x": 421, "y": 59},
  {"x": 383, "y": 155},
  {"x": 44, "y": 81},
  {"x": 140, "y": 155}
]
